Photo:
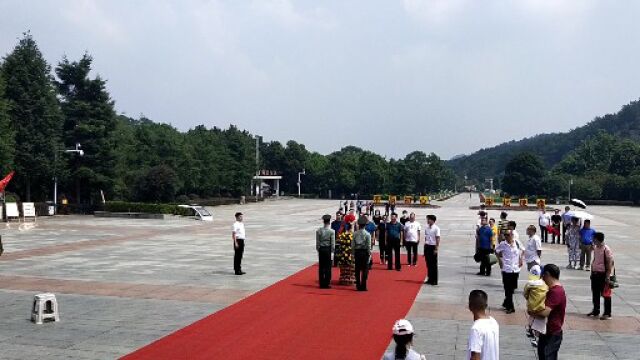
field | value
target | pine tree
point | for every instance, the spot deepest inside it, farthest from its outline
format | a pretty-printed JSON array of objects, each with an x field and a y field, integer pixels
[
  {"x": 7, "y": 135},
  {"x": 90, "y": 120},
  {"x": 34, "y": 114}
]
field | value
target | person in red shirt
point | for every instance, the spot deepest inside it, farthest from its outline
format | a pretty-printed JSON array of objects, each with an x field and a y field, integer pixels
[{"x": 555, "y": 308}]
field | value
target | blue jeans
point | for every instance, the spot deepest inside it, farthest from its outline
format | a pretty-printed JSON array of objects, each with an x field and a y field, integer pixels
[{"x": 549, "y": 346}]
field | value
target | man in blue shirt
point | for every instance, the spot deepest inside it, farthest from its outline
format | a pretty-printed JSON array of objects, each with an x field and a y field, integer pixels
[
  {"x": 586, "y": 245},
  {"x": 394, "y": 239},
  {"x": 483, "y": 247}
]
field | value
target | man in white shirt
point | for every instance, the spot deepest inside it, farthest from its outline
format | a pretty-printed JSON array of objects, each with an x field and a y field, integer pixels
[
  {"x": 431, "y": 245},
  {"x": 412, "y": 230},
  {"x": 484, "y": 337},
  {"x": 533, "y": 250},
  {"x": 511, "y": 259},
  {"x": 543, "y": 221},
  {"x": 238, "y": 236}
]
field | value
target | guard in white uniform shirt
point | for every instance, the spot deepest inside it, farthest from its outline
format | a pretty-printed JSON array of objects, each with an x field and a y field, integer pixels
[
  {"x": 238, "y": 235},
  {"x": 533, "y": 250},
  {"x": 431, "y": 246}
]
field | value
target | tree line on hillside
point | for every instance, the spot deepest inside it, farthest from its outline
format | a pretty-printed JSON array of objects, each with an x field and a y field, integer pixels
[
  {"x": 43, "y": 114},
  {"x": 550, "y": 148},
  {"x": 603, "y": 166}
]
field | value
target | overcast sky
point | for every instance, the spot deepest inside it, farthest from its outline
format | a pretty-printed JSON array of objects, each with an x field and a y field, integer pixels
[{"x": 448, "y": 76}]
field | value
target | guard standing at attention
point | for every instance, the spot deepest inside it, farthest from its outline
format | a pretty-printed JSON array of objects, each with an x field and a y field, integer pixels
[
  {"x": 361, "y": 245},
  {"x": 325, "y": 244},
  {"x": 238, "y": 236}
]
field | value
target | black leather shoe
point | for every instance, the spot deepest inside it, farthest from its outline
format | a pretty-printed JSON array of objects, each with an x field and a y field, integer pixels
[
  {"x": 240, "y": 272},
  {"x": 593, "y": 313}
]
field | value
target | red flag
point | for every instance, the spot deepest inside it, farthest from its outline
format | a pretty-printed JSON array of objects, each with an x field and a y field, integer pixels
[{"x": 4, "y": 182}]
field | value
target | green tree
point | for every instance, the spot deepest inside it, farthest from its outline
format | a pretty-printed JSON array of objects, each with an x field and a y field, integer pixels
[
  {"x": 158, "y": 184},
  {"x": 7, "y": 135},
  {"x": 89, "y": 119},
  {"x": 35, "y": 117},
  {"x": 523, "y": 174}
]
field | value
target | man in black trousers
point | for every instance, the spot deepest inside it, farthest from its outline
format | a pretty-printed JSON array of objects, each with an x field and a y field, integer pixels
[
  {"x": 325, "y": 244},
  {"x": 238, "y": 236}
]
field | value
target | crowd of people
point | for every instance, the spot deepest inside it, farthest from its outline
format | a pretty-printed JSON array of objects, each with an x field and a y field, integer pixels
[{"x": 352, "y": 234}]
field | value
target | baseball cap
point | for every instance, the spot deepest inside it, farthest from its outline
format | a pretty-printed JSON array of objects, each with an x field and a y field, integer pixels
[
  {"x": 535, "y": 270},
  {"x": 402, "y": 327}
]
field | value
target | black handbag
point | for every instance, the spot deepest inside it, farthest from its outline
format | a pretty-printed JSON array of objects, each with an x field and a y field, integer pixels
[{"x": 613, "y": 279}]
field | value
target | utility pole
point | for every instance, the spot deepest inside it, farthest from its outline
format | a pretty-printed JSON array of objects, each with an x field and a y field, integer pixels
[
  {"x": 570, "y": 183},
  {"x": 300, "y": 181}
]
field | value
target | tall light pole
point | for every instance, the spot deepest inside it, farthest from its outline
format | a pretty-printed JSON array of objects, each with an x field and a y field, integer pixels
[
  {"x": 570, "y": 183},
  {"x": 78, "y": 151},
  {"x": 300, "y": 181}
]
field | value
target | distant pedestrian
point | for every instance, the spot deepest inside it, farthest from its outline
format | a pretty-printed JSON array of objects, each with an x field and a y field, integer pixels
[
  {"x": 494, "y": 231},
  {"x": 601, "y": 271},
  {"x": 238, "y": 235},
  {"x": 556, "y": 221},
  {"x": 554, "y": 311},
  {"x": 483, "y": 247},
  {"x": 431, "y": 246},
  {"x": 543, "y": 222},
  {"x": 566, "y": 223},
  {"x": 381, "y": 235},
  {"x": 512, "y": 227},
  {"x": 335, "y": 226},
  {"x": 503, "y": 226},
  {"x": 573, "y": 243},
  {"x": 412, "y": 230},
  {"x": 484, "y": 336},
  {"x": 403, "y": 337},
  {"x": 361, "y": 245},
  {"x": 325, "y": 245},
  {"x": 394, "y": 240},
  {"x": 386, "y": 209},
  {"x": 533, "y": 249},
  {"x": 405, "y": 217},
  {"x": 586, "y": 245},
  {"x": 510, "y": 257},
  {"x": 371, "y": 228}
]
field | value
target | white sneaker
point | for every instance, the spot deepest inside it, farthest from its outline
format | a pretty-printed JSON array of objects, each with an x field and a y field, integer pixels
[{"x": 587, "y": 268}]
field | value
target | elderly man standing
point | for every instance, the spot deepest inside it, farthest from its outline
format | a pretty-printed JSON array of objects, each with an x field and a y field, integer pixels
[
  {"x": 325, "y": 244},
  {"x": 511, "y": 259}
]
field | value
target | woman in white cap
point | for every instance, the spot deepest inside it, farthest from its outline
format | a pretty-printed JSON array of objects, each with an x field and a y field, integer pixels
[{"x": 403, "y": 337}]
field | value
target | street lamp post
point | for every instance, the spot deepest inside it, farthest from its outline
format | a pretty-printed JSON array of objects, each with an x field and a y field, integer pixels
[
  {"x": 300, "y": 181},
  {"x": 78, "y": 151},
  {"x": 570, "y": 183}
]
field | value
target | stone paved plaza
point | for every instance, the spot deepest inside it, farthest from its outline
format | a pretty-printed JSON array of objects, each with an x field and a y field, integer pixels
[{"x": 124, "y": 283}]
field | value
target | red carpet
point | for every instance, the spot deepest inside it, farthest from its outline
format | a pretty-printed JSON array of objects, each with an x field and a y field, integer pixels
[{"x": 294, "y": 319}]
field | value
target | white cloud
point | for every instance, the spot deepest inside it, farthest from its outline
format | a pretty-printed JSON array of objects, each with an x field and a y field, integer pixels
[
  {"x": 90, "y": 17},
  {"x": 284, "y": 13},
  {"x": 434, "y": 12}
]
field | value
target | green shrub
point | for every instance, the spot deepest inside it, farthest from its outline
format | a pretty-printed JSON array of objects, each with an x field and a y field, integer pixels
[{"x": 123, "y": 206}]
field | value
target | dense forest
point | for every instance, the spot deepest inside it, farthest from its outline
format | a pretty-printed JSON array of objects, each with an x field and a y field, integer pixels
[
  {"x": 551, "y": 148},
  {"x": 45, "y": 112}
]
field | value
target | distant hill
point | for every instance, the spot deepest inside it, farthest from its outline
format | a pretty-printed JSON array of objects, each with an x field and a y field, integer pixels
[{"x": 490, "y": 162}]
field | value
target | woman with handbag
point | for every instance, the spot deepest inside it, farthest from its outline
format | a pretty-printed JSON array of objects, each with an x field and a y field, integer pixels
[{"x": 601, "y": 270}]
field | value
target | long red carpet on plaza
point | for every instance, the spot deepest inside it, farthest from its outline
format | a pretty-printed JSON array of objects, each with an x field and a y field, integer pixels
[{"x": 294, "y": 319}]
